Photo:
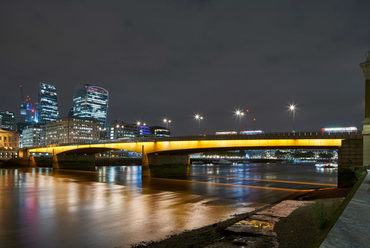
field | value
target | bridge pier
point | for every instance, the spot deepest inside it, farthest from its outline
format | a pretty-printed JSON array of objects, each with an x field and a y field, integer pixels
[
  {"x": 166, "y": 165},
  {"x": 350, "y": 156}
]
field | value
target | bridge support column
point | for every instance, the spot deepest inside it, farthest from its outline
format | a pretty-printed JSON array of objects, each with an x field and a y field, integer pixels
[
  {"x": 55, "y": 162},
  {"x": 366, "y": 143},
  {"x": 31, "y": 161},
  {"x": 145, "y": 170},
  {"x": 365, "y": 66},
  {"x": 169, "y": 165},
  {"x": 350, "y": 156}
]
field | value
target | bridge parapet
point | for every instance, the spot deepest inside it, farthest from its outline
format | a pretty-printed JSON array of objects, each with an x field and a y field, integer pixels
[{"x": 277, "y": 135}]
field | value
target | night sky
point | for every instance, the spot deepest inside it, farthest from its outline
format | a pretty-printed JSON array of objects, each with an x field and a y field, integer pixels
[{"x": 176, "y": 58}]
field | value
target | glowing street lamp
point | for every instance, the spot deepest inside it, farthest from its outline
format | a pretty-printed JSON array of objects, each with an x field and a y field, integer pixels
[
  {"x": 292, "y": 109},
  {"x": 167, "y": 122},
  {"x": 198, "y": 118},
  {"x": 238, "y": 114}
]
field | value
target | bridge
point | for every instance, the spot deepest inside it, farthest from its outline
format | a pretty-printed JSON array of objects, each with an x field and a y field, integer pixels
[{"x": 173, "y": 152}]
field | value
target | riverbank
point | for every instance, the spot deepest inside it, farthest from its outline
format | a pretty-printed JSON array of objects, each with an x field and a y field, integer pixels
[{"x": 297, "y": 221}]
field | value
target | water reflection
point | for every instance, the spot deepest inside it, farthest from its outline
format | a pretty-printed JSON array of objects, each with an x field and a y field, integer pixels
[{"x": 115, "y": 206}]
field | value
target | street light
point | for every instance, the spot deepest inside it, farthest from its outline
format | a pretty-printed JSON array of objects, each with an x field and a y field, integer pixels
[
  {"x": 198, "y": 118},
  {"x": 292, "y": 108},
  {"x": 167, "y": 122},
  {"x": 239, "y": 114}
]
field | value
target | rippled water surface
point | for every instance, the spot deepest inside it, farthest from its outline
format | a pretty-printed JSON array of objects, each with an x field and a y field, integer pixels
[{"x": 116, "y": 206}]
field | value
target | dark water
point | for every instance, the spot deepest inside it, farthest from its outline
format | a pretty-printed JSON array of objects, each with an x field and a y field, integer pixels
[{"x": 116, "y": 207}]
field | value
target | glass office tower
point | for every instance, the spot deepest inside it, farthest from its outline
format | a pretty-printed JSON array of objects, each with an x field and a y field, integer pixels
[
  {"x": 48, "y": 103},
  {"x": 91, "y": 102}
]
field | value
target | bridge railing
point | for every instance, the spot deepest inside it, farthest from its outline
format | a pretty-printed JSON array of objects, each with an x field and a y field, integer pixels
[
  {"x": 277, "y": 135},
  {"x": 273, "y": 135}
]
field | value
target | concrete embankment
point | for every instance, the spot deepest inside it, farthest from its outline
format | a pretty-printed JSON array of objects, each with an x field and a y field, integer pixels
[{"x": 352, "y": 227}]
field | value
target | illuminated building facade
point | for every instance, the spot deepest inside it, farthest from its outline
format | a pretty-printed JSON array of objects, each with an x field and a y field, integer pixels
[
  {"x": 160, "y": 131},
  {"x": 119, "y": 130},
  {"x": 9, "y": 144},
  {"x": 7, "y": 120},
  {"x": 48, "y": 103},
  {"x": 91, "y": 102},
  {"x": 33, "y": 136},
  {"x": 72, "y": 130}
]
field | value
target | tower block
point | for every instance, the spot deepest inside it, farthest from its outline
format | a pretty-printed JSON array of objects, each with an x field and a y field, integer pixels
[{"x": 365, "y": 66}]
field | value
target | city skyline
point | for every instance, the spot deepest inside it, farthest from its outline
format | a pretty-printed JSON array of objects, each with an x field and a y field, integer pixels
[{"x": 157, "y": 64}]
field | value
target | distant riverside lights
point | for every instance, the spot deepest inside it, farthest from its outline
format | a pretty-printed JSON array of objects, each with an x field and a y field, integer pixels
[
  {"x": 339, "y": 129},
  {"x": 227, "y": 133},
  {"x": 249, "y": 132}
]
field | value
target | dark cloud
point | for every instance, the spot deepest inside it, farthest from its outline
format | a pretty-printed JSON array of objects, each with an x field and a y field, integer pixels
[{"x": 175, "y": 58}]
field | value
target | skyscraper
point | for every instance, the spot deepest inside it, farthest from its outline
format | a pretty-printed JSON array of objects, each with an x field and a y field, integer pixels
[
  {"x": 48, "y": 104},
  {"x": 91, "y": 102}
]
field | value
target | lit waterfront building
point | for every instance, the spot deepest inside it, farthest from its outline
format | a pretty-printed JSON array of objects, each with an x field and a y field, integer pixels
[
  {"x": 7, "y": 120},
  {"x": 9, "y": 144},
  {"x": 119, "y": 130},
  {"x": 91, "y": 102},
  {"x": 159, "y": 131},
  {"x": 48, "y": 103},
  {"x": 72, "y": 130},
  {"x": 33, "y": 136}
]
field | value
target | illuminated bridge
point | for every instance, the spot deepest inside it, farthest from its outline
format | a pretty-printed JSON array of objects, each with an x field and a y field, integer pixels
[{"x": 170, "y": 151}]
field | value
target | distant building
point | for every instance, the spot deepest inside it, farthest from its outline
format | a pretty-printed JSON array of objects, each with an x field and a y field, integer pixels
[
  {"x": 28, "y": 112},
  {"x": 91, "y": 102},
  {"x": 48, "y": 103},
  {"x": 33, "y": 136},
  {"x": 8, "y": 121},
  {"x": 9, "y": 144},
  {"x": 119, "y": 130},
  {"x": 72, "y": 130},
  {"x": 159, "y": 131}
]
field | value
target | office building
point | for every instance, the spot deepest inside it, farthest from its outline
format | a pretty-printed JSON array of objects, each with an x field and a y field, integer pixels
[
  {"x": 48, "y": 103},
  {"x": 119, "y": 130},
  {"x": 72, "y": 130},
  {"x": 8, "y": 121},
  {"x": 33, "y": 136},
  {"x": 91, "y": 102}
]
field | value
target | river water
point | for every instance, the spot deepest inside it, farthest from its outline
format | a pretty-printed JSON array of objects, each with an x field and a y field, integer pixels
[{"x": 117, "y": 207}]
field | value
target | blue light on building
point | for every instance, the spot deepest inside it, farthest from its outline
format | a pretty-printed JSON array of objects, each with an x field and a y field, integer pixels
[
  {"x": 28, "y": 113},
  {"x": 91, "y": 102},
  {"x": 48, "y": 103}
]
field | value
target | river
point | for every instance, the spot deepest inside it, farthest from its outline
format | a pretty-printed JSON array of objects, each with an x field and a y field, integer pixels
[{"x": 117, "y": 207}]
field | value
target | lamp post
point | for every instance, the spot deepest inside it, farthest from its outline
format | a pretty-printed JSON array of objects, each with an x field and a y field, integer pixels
[
  {"x": 198, "y": 118},
  {"x": 292, "y": 109},
  {"x": 167, "y": 122},
  {"x": 239, "y": 114}
]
